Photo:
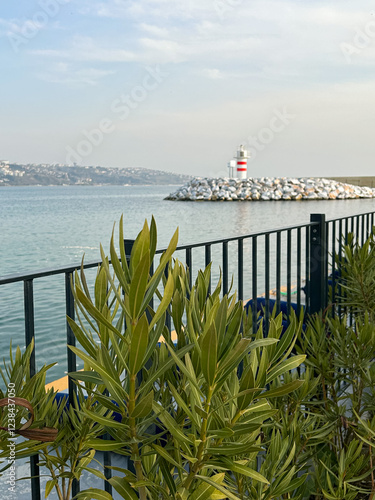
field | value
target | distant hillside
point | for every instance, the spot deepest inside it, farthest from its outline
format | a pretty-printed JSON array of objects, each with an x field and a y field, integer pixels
[{"x": 59, "y": 175}]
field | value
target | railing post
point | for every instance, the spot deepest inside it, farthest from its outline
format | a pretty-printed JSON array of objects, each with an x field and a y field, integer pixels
[
  {"x": 317, "y": 263},
  {"x": 29, "y": 337},
  {"x": 128, "y": 247}
]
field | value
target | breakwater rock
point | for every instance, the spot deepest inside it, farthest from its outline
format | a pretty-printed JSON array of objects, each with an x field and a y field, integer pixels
[{"x": 268, "y": 189}]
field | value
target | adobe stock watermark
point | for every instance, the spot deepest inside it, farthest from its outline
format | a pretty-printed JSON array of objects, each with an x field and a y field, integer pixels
[
  {"x": 277, "y": 124},
  {"x": 122, "y": 107},
  {"x": 49, "y": 9},
  {"x": 362, "y": 39},
  {"x": 222, "y": 7},
  {"x": 9, "y": 476}
]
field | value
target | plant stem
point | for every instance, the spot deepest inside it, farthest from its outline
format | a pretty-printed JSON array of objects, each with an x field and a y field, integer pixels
[
  {"x": 133, "y": 431},
  {"x": 203, "y": 437}
]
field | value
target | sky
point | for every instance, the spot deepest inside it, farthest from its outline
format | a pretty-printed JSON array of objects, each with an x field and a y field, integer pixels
[{"x": 178, "y": 85}]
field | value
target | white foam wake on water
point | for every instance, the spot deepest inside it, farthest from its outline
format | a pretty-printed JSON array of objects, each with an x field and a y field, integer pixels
[{"x": 82, "y": 248}]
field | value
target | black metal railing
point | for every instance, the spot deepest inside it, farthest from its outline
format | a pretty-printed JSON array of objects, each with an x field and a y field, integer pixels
[{"x": 287, "y": 267}]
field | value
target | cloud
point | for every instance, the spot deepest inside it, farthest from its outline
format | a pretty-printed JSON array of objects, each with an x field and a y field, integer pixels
[
  {"x": 213, "y": 73},
  {"x": 86, "y": 49},
  {"x": 65, "y": 73},
  {"x": 154, "y": 30},
  {"x": 18, "y": 26},
  {"x": 289, "y": 41}
]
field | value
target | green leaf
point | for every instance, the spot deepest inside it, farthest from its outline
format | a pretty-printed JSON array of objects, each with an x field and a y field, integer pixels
[
  {"x": 219, "y": 487},
  {"x": 106, "y": 420},
  {"x": 82, "y": 338},
  {"x": 87, "y": 376},
  {"x": 182, "y": 404},
  {"x": 190, "y": 376},
  {"x": 113, "y": 385},
  {"x": 165, "y": 301},
  {"x": 123, "y": 488},
  {"x": 232, "y": 449},
  {"x": 49, "y": 486},
  {"x": 144, "y": 406},
  {"x": 247, "y": 382},
  {"x": 285, "y": 366},
  {"x": 170, "y": 424},
  {"x": 138, "y": 345},
  {"x": 138, "y": 285},
  {"x": 177, "y": 311},
  {"x": 209, "y": 355},
  {"x": 101, "y": 289},
  {"x": 283, "y": 390},
  {"x": 153, "y": 237},
  {"x": 105, "y": 445},
  {"x": 205, "y": 490},
  {"x": 141, "y": 247},
  {"x": 122, "y": 275},
  {"x": 164, "y": 368},
  {"x": 244, "y": 471},
  {"x": 93, "y": 494},
  {"x": 226, "y": 432},
  {"x": 221, "y": 320},
  {"x": 164, "y": 259},
  {"x": 93, "y": 311},
  {"x": 163, "y": 453}
]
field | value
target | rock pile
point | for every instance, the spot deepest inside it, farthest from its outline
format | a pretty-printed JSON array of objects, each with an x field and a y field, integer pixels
[{"x": 267, "y": 189}]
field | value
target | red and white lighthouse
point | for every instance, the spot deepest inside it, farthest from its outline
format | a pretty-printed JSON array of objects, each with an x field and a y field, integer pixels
[{"x": 241, "y": 162}]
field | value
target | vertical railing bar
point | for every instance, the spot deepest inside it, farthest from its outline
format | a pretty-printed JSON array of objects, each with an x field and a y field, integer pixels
[
  {"x": 168, "y": 318},
  {"x": 367, "y": 225},
  {"x": 326, "y": 250},
  {"x": 346, "y": 230},
  {"x": 30, "y": 321},
  {"x": 333, "y": 266},
  {"x": 72, "y": 359},
  {"x": 358, "y": 228},
  {"x": 29, "y": 337},
  {"x": 363, "y": 229},
  {"x": 225, "y": 268},
  {"x": 267, "y": 280},
  {"x": 189, "y": 265},
  {"x": 299, "y": 245},
  {"x": 208, "y": 259},
  {"x": 240, "y": 269},
  {"x": 71, "y": 340},
  {"x": 318, "y": 263},
  {"x": 307, "y": 268},
  {"x": 278, "y": 270},
  {"x": 339, "y": 290},
  {"x": 355, "y": 240},
  {"x": 289, "y": 271},
  {"x": 254, "y": 281},
  {"x": 151, "y": 303}
]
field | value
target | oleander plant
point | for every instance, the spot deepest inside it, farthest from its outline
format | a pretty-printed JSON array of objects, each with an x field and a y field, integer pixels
[
  {"x": 193, "y": 401},
  {"x": 196, "y": 404}
]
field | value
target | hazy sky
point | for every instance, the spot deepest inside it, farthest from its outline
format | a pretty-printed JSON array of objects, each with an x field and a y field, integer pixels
[{"x": 179, "y": 84}]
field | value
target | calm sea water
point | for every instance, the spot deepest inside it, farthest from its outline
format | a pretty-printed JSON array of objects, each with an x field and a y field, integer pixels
[{"x": 43, "y": 227}]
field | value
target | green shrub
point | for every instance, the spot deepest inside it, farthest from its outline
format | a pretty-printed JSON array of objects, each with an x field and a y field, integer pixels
[{"x": 192, "y": 411}]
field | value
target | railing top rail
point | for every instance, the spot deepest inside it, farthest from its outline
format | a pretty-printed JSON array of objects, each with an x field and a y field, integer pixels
[
  {"x": 350, "y": 216},
  {"x": 28, "y": 276},
  {"x": 242, "y": 237}
]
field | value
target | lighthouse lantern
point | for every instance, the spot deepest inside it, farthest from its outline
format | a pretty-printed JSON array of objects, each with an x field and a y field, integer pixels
[{"x": 241, "y": 162}]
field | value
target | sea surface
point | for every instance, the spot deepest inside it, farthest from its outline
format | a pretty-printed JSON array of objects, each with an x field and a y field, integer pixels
[{"x": 46, "y": 227}]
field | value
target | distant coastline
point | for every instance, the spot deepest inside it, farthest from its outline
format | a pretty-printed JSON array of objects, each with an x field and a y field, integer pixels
[{"x": 14, "y": 174}]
